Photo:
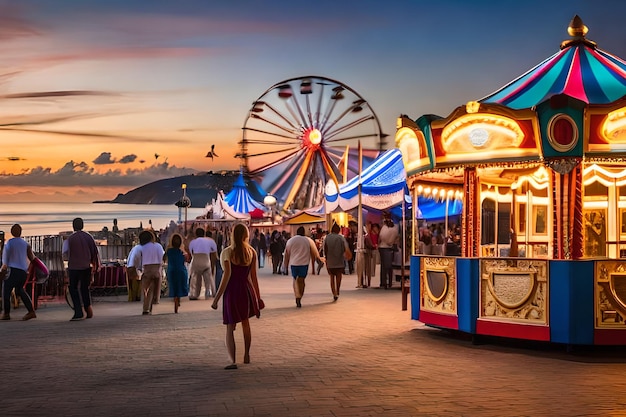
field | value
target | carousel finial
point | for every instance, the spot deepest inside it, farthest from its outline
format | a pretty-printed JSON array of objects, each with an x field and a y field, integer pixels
[{"x": 577, "y": 30}]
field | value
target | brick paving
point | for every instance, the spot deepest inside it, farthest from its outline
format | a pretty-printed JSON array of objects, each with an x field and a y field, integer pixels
[{"x": 360, "y": 356}]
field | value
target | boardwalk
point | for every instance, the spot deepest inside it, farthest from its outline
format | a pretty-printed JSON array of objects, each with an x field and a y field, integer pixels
[{"x": 361, "y": 356}]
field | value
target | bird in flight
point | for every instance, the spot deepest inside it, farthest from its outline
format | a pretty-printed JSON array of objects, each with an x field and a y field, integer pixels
[
  {"x": 211, "y": 153},
  {"x": 156, "y": 156},
  {"x": 13, "y": 158}
]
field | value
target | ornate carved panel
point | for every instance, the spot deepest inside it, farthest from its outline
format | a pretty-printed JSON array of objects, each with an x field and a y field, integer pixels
[
  {"x": 514, "y": 290},
  {"x": 438, "y": 285},
  {"x": 610, "y": 294}
]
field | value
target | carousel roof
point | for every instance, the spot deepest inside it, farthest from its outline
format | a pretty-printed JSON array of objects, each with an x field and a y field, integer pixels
[{"x": 579, "y": 70}]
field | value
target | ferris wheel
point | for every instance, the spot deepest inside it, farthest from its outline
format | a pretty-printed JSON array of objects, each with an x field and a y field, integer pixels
[{"x": 304, "y": 131}]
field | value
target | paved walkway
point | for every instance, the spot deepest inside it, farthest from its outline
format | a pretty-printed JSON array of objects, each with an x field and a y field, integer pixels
[{"x": 360, "y": 356}]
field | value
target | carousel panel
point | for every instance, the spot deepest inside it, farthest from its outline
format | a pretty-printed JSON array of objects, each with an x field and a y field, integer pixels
[
  {"x": 610, "y": 294},
  {"x": 514, "y": 290},
  {"x": 438, "y": 285}
]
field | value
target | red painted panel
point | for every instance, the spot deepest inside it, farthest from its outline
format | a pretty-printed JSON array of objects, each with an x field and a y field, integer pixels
[
  {"x": 513, "y": 330},
  {"x": 609, "y": 337},
  {"x": 446, "y": 321}
]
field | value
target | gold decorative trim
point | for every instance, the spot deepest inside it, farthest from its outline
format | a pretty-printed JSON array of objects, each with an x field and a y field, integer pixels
[
  {"x": 575, "y": 134},
  {"x": 532, "y": 276},
  {"x": 609, "y": 306},
  {"x": 436, "y": 299},
  {"x": 528, "y": 308},
  {"x": 447, "y": 303}
]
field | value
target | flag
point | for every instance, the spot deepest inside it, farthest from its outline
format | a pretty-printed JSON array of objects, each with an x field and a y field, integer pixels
[{"x": 343, "y": 164}]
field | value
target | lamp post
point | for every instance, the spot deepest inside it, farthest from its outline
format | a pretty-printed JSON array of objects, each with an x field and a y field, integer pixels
[
  {"x": 183, "y": 203},
  {"x": 270, "y": 201}
]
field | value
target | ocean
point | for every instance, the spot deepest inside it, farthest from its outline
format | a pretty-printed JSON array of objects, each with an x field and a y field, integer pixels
[{"x": 53, "y": 218}]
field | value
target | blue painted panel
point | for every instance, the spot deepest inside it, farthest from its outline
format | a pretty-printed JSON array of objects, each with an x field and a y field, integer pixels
[
  {"x": 415, "y": 287},
  {"x": 571, "y": 301},
  {"x": 467, "y": 280}
]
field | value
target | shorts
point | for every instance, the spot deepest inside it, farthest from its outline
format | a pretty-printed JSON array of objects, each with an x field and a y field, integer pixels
[
  {"x": 336, "y": 271},
  {"x": 299, "y": 271}
]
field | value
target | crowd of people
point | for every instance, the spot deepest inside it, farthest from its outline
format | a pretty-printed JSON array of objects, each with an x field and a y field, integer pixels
[
  {"x": 225, "y": 267},
  {"x": 433, "y": 240}
]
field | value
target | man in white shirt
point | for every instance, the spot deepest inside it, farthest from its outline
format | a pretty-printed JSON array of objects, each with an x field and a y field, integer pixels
[
  {"x": 133, "y": 274},
  {"x": 299, "y": 252},
  {"x": 200, "y": 270},
  {"x": 150, "y": 257},
  {"x": 387, "y": 238}
]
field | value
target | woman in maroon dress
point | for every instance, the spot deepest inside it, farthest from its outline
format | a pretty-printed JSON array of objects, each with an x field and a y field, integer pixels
[{"x": 240, "y": 289}]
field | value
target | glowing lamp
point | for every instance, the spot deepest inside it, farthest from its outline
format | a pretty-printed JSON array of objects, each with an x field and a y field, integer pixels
[
  {"x": 269, "y": 200},
  {"x": 315, "y": 136},
  {"x": 614, "y": 126}
]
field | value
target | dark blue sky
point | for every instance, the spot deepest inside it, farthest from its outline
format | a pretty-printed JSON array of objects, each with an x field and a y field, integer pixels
[{"x": 172, "y": 77}]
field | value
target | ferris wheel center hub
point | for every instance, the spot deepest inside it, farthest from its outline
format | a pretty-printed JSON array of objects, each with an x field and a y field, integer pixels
[{"x": 315, "y": 136}]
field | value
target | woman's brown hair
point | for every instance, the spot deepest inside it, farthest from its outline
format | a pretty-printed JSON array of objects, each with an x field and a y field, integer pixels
[
  {"x": 176, "y": 241},
  {"x": 242, "y": 251}
]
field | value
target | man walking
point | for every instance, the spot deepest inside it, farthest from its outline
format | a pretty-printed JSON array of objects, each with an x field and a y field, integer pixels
[
  {"x": 16, "y": 257},
  {"x": 83, "y": 260},
  {"x": 149, "y": 258},
  {"x": 387, "y": 239},
  {"x": 299, "y": 252},
  {"x": 337, "y": 250},
  {"x": 200, "y": 268}
]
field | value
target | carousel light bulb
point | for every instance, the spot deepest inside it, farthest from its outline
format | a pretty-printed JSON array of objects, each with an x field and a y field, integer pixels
[
  {"x": 435, "y": 192},
  {"x": 442, "y": 193},
  {"x": 427, "y": 190},
  {"x": 420, "y": 188}
]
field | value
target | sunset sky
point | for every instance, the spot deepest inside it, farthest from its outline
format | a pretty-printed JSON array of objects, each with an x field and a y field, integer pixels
[{"x": 91, "y": 90}]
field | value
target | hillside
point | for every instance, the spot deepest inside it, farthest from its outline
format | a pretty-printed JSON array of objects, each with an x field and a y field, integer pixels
[{"x": 201, "y": 189}]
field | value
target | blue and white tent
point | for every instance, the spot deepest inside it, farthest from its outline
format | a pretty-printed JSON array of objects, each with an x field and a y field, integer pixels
[
  {"x": 383, "y": 185},
  {"x": 240, "y": 200}
]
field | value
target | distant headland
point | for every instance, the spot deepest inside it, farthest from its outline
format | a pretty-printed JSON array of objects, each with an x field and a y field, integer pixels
[{"x": 202, "y": 188}]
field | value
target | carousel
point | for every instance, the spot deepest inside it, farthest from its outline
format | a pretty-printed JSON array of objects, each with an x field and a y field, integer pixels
[{"x": 542, "y": 167}]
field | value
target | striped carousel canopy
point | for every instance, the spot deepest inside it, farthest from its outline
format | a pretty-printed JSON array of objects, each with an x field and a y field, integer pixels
[
  {"x": 579, "y": 70},
  {"x": 240, "y": 200}
]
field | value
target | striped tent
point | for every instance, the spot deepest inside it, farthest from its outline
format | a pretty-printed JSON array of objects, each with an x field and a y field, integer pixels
[
  {"x": 383, "y": 184},
  {"x": 240, "y": 200},
  {"x": 580, "y": 70}
]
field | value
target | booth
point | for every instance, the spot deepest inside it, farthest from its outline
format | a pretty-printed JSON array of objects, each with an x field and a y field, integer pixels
[{"x": 542, "y": 166}]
